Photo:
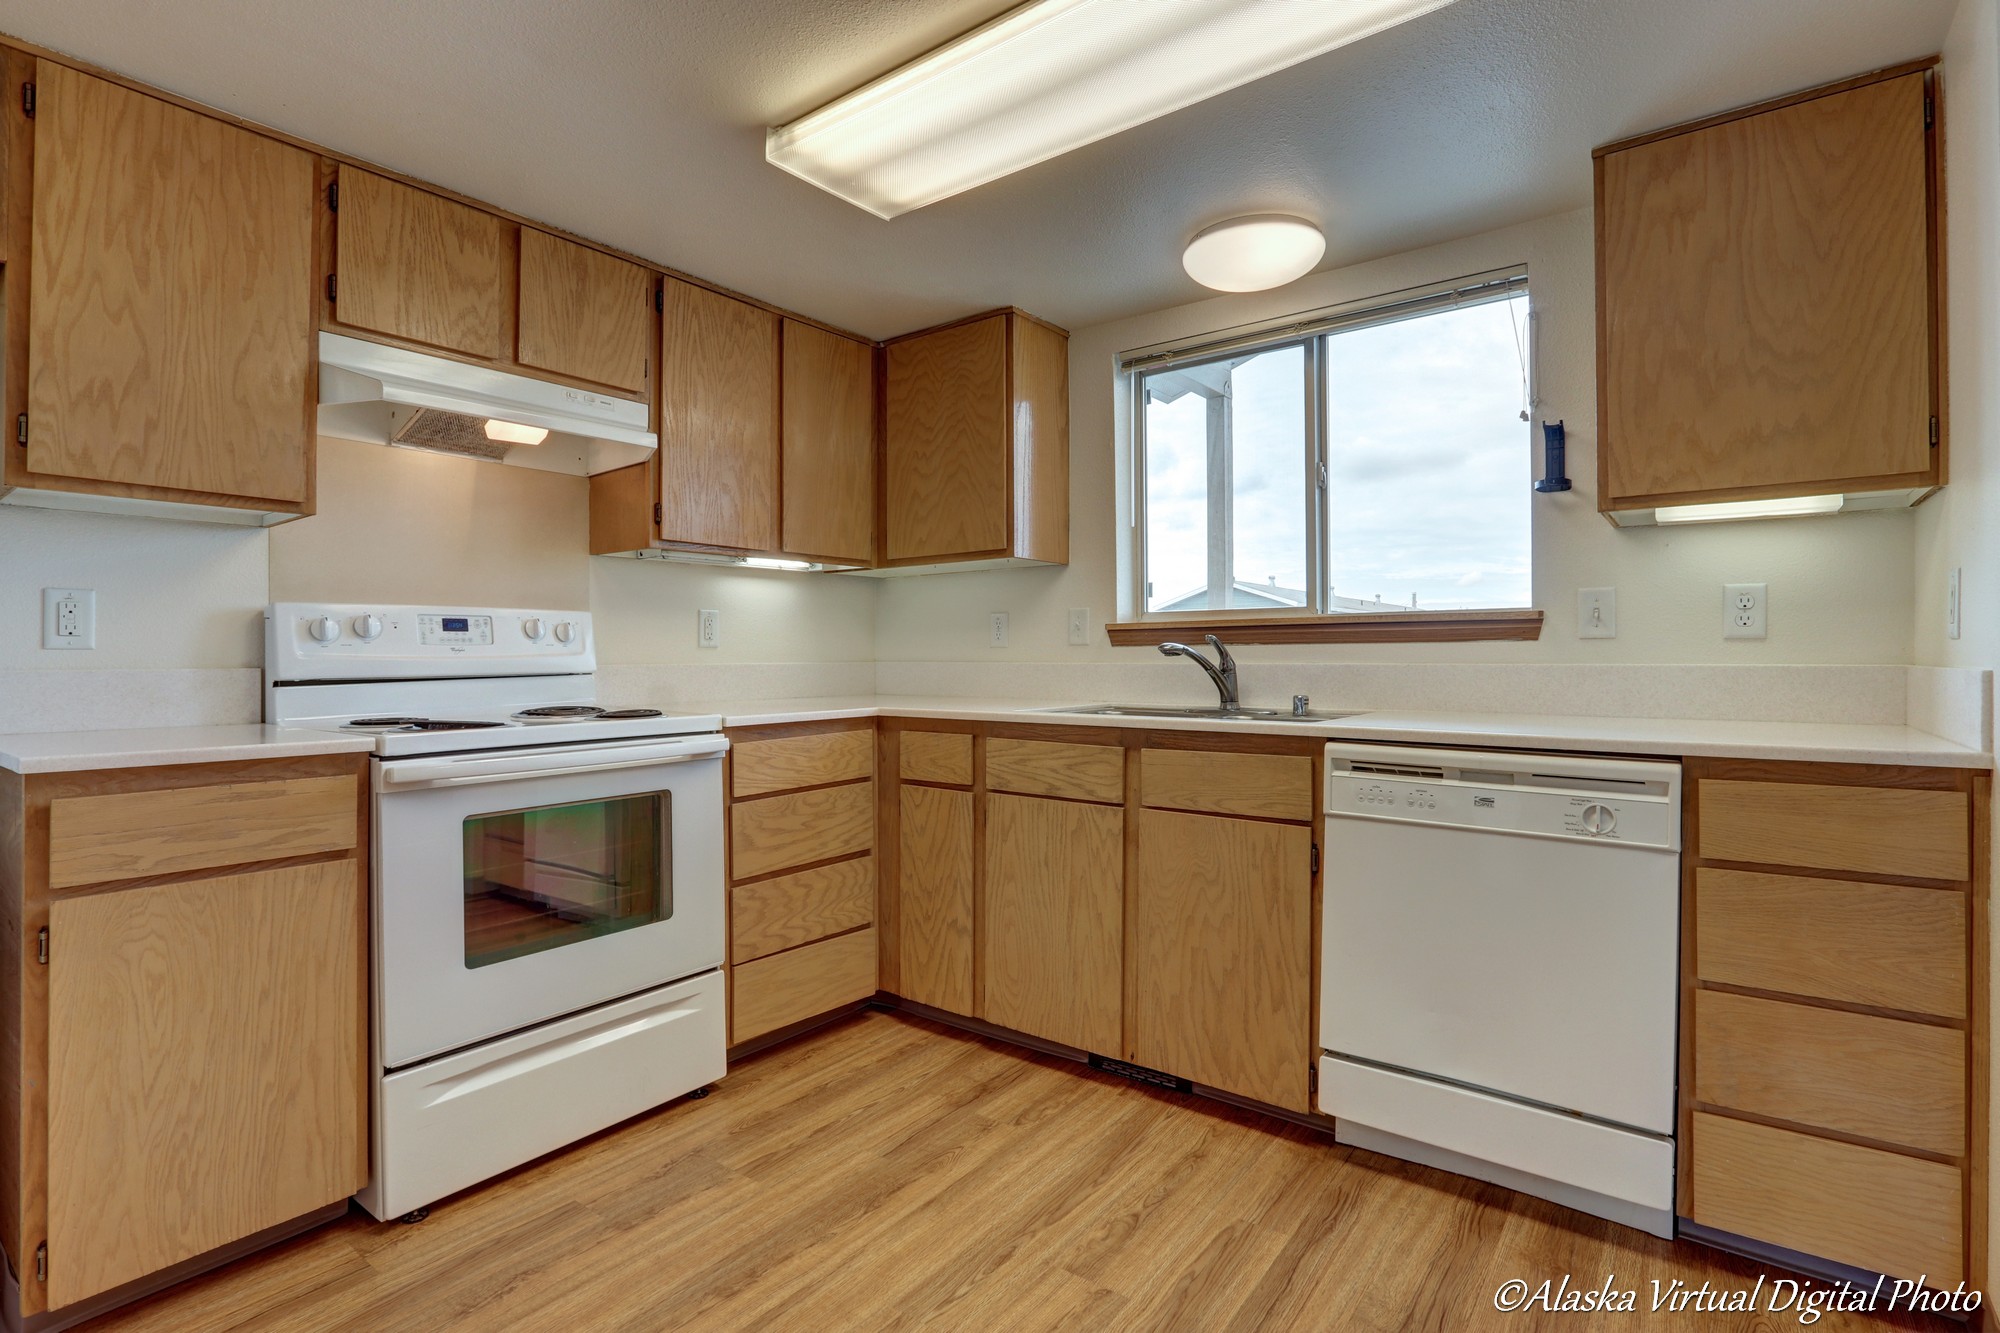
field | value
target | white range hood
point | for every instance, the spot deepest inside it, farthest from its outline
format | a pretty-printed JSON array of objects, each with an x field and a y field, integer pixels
[{"x": 412, "y": 400}]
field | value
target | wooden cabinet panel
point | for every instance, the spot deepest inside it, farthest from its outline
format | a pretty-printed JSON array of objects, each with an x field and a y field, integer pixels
[
  {"x": 1902, "y": 831},
  {"x": 829, "y": 445},
  {"x": 1765, "y": 301},
  {"x": 934, "y": 897},
  {"x": 781, "y": 913},
  {"x": 1271, "y": 786},
  {"x": 94, "y": 839},
  {"x": 1864, "y": 1207},
  {"x": 1055, "y": 768},
  {"x": 936, "y": 756},
  {"x": 801, "y": 983},
  {"x": 947, "y": 437},
  {"x": 781, "y": 763},
  {"x": 1885, "y": 945},
  {"x": 170, "y": 338},
  {"x": 1040, "y": 415},
  {"x": 1879, "y": 1078},
  {"x": 207, "y": 1067},
  {"x": 778, "y": 832},
  {"x": 718, "y": 421},
  {"x": 416, "y": 265},
  {"x": 1222, "y": 933},
  {"x": 1052, "y": 943},
  {"x": 584, "y": 313}
]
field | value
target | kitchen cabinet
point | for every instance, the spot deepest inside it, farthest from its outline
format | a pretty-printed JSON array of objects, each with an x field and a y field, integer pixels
[
  {"x": 159, "y": 321},
  {"x": 1768, "y": 302},
  {"x": 1834, "y": 1014},
  {"x": 185, "y": 1013},
  {"x": 934, "y": 881},
  {"x": 975, "y": 454},
  {"x": 586, "y": 314},
  {"x": 420, "y": 267},
  {"x": 719, "y": 450},
  {"x": 827, "y": 467}
]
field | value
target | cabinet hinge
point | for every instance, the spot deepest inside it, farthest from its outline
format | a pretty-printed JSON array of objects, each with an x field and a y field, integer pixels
[
  {"x": 1315, "y": 858},
  {"x": 1312, "y": 1077},
  {"x": 660, "y": 299},
  {"x": 1934, "y": 433},
  {"x": 21, "y": 430},
  {"x": 659, "y": 514},
  {"x": 332, "y": 286},
  {"x": 28, "y": 100},
  {"x": 42, "y": 945},
  {"x": 42, "y": 1262},
  {"x": 1930, "y": 111},
  {"x": 333, "y": 197}
]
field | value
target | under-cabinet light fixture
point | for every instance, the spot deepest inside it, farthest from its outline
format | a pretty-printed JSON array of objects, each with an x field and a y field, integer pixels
[
  {"x": 508, "y": 432},
  {"x": 769, "y": 562},
  {"x": 1731, "y": 510},
  {"x": 1048, "y": 77}
]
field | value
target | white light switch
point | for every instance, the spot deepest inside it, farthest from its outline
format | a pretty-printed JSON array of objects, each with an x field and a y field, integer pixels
[
  {"x": 997, "y": 636},
  {"x": 708, "y": 629},
  {"x": 69, "y": 618},
  {"x": 1079, "y": 626},
  {"x": 1597, "y": 613},
  {"x": 1952, "y": 605},
  {"x": 1743, "y": 610}
]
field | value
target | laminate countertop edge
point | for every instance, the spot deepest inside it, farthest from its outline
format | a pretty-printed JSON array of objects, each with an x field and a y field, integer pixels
[{"x": 151, "y": 747}]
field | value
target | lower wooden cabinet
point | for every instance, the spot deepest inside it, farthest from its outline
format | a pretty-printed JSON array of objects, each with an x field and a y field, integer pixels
[{"x": 934, "y": 883}]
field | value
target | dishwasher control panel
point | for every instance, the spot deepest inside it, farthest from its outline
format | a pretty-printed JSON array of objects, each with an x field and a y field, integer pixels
[{"x": 1627, "y": 802}]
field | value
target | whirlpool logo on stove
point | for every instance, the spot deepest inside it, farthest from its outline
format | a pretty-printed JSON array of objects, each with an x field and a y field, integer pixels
[{"x": 1484, "y": 802}]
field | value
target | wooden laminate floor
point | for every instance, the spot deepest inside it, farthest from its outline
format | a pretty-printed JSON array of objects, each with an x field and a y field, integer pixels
[{"x": 889, "y": 1173}]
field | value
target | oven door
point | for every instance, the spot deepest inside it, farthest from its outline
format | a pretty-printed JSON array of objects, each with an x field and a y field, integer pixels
[{"x": 516, "y": 887}]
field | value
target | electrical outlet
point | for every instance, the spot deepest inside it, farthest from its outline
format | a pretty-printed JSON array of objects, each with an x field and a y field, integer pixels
[
  {"x": 708, "y": 629},
  {"x": 1079, "y": 626},
  {"x": 1597, "y": 613},
  {"x": 1953, "y": 608},
  {"x": 1743, "y": 610},
  {"x": 997, "y": 636},
  {"x": 69, "y": 618}
]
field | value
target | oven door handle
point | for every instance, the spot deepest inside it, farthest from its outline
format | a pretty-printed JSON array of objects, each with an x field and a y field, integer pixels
[{"x": 419, "y": 774}]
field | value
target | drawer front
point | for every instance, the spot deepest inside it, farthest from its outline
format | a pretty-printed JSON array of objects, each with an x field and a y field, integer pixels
[
  {"x": 1051, "y": 768},
  {"x": 94, "y": 839},
  {"x": 791, "y": 910},
  {"x": 1272, "y": 786},
  {"x": 1874, "y": 830},
  {"x": 800, "y": 983},
  {"x": 1879, "y": 1078},
  {"x": 937, "y": 756},
  {"x": 785, "y": 762},
  {"x": 779, "y": 832},
  {"x": 1876, "y": 1210},
  {"x": 1886, "y": 945}
]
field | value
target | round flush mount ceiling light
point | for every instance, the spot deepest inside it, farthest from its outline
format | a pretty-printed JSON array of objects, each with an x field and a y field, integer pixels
[{"x": 1254, "y": 253}]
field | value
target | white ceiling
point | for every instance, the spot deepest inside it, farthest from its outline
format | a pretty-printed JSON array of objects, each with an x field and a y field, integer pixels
[{"x": 640, "y": 123}]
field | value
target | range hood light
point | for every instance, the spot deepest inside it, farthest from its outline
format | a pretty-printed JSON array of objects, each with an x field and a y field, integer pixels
[
  {"x": 507, "y": 432},
  {"x": 1729, "y": 510}
]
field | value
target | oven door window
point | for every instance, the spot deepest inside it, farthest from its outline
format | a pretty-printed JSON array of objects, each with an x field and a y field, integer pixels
[{"x": 543, "y": 878}]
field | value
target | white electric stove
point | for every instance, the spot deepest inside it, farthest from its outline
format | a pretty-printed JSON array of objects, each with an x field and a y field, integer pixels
[{"x": 547, "y": 882}]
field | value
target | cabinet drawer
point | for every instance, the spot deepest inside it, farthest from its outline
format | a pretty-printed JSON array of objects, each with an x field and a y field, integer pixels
[
  {"x": 937, "y": 756},
  {"x": 1876, "y": 1210},
  {"x": 1874, "y": 830},
  {"x": 1886, "y": 945},
  {"x": 94, "y": 839},
  {"x": 779, "y": 832},
  {"x": 785, "y": 762},
  {"x": 1051, "y": 768},
  {"x": 1273, "y": 786},
  {"x": 802, "y": 982},
  {"x": 780, "y": 913},
  {"x": 1880, "y": 1078}
]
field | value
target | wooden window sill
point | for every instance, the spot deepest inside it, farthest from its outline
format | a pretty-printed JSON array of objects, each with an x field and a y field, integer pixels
[{"x": 1388, "y": 627}]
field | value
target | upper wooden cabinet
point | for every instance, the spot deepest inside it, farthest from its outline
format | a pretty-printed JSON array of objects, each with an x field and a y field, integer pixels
[
  {"x": 160, "y": 323},
  {"x": 718, "y": 463},
  {"x": 1767, "y": 301},
  {"x": 976, "y": 443},
  {"x": 585, "y": 313},
  {"x": 418, "y": 266},
  {"x": 828, "y": 467}
]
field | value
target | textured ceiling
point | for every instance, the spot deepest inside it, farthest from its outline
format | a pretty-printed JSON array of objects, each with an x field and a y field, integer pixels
[{"x": 640, "y": 123}]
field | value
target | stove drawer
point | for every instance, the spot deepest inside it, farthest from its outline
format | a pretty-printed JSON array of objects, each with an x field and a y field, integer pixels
[{"x": 126, "y": 835}]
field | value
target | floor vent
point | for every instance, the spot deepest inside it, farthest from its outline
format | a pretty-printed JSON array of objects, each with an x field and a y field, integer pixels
[{"x": 1140, "y": 1074}]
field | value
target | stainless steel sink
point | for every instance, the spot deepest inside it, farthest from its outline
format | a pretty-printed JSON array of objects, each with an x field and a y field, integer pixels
[{"x": 1209, "y": 714}]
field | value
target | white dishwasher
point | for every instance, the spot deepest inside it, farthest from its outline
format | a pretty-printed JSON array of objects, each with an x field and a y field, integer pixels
[{"x": 1500, "y": 964}]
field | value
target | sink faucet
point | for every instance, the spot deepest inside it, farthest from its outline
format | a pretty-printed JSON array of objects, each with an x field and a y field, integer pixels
[{"x": 1222, "y": 670}]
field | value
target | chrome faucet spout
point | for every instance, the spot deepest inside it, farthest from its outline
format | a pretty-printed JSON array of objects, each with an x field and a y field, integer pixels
[{"x": 1222, "y": 671}]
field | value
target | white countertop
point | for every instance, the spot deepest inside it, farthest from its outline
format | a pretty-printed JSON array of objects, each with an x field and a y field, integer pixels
[{"x": 73, "y": 751}]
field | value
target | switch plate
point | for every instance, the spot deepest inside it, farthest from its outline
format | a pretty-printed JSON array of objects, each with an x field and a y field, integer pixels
[
  {"x": 1079, "y": 626},
  {"x": 997, "y": 633},
  {"x": 1743, "y": 610},
  {"x": 69, "y": 618},
  {"x": 1597, "y": 613},
  {"x": 1952, "y": 605},
  {"x": 708, "y": 629}
]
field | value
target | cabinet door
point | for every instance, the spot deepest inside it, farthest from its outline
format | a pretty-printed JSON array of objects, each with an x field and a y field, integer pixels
[
  {"x": 1765, "y": 294},
  {"x": 416, "y": 265},
  {"x": 718, "y": 421},
  {"x": 829, "y": 445},
  {"x": 946, "y": 442},
  {"x": 934, "y": 895},
  {"x": 170, "y": 336},
  {"x": 207, "y": 1066},
  {"x": 1053, "y": 940},
  {"x": 584, "y": 313},
  {"x": 1223, "y": 935}
]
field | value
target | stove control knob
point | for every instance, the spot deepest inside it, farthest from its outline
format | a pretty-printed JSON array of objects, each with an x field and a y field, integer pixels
[
  {"x": 534, "y": 628},
  {"x": 565, "y": 632},
  {"x": 367, "y": 627},
  {"x": 325, "y": 629},
  {"x": 1599, "y": 819}
]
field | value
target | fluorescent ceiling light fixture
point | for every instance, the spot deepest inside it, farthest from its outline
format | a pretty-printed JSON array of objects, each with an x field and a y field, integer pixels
[
  {"x": 1254, "y": 253},
  {"x": 507, "y": 432},
  {"x": 1048, "y": 77},
  {"x": 1728, "y": 510}
]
